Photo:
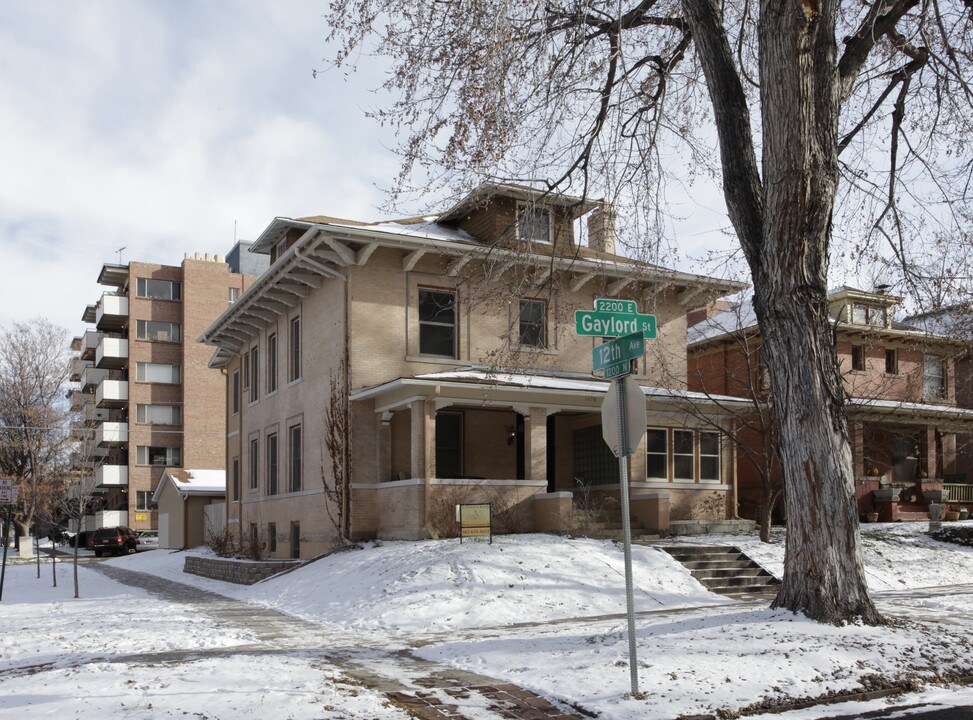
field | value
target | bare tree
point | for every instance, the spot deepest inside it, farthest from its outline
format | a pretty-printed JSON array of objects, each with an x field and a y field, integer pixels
[
  {"x": 592, "y": 93},
  {"x": 79, "y": 496},
  {"x": 33, "y": 413},
  {"x": 336, "y": 445}
]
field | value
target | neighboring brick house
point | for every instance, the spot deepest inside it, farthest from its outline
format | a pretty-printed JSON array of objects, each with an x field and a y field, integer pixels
[
  {"x": 145, "y": 394},
  {"x": 451, "y": 339},
  {"x": 901, "y": 382}
]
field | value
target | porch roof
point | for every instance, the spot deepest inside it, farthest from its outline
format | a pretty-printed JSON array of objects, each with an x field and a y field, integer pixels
[
  {"x": 519, "y": 388},
  {"x": 945, "y": 417}
]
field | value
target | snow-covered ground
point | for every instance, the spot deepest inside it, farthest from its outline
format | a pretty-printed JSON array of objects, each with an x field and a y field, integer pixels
[{"x": 503, "y": 610}]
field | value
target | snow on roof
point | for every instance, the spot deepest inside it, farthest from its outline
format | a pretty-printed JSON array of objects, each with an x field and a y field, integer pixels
[
  {"x": 429, "y": 230},
  {"x": 741, "y": 316},
  {"x": 568, "y": 384},
  {"x": 196, "y": 482}
]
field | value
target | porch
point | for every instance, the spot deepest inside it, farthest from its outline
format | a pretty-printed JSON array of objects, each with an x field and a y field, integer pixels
[{"x": 532, "y": 447}]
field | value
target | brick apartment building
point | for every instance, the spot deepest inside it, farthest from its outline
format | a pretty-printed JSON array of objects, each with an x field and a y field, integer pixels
[
  {"x": 908, "y": 400},
  {"x": 380, "y": 373},
  {"x": 145, "y": 395}
]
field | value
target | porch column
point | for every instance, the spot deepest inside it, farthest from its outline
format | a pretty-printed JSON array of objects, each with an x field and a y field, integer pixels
[
  {"x": 535, "y": 430},
  {"x": 929, "y": 453},
  {"x": 422, "y": 428},
  {"x": 383, "y": 448}
]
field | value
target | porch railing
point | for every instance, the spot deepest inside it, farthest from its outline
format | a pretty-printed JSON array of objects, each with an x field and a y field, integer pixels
[{"x": 961, "y": 493}]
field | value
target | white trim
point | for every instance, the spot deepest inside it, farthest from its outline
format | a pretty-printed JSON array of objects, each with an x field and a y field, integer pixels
[
  {"x": 685, "y": 486},
  {"x": 233, "y": 433},
  {"x": 488, "y": 482},
  {"x": 391, "y": 484}
]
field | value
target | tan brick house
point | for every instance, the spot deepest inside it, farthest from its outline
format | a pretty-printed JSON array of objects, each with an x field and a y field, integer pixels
[
  {"x": 907, "y": 398},
  {"x": 379, "y": 373}
]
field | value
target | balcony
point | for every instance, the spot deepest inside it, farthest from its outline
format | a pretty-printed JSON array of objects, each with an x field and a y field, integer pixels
[
  {"x": 112, "y": 476},
  {"x": 112, "y": 433},
  {"x": 112, "y": 312},
  {"x": 78, "y": 366},
  {"x": 77, "y": 399},
  {"x": 112, "y": 393},
  {"x": 92, "y": 378},
  {"x": 94, "y": 414},
  {"x": 111, "y": 518},
  {"x": 112, "y": 353},
  {"x": 89, "y": 344}
]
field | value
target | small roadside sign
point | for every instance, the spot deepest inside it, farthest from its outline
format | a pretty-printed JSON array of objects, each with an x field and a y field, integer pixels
[{"x": 475, "y": 521}]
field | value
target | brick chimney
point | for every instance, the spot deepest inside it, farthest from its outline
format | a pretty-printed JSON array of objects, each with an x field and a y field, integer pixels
[{"x": 601, "y": 228}]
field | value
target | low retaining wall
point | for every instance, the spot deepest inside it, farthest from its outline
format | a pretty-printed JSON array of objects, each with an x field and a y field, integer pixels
[{"x": 241, "y": 572}]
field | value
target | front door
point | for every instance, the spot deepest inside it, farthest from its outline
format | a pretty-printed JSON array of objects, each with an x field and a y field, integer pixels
[{"x": 905, "y": 453}]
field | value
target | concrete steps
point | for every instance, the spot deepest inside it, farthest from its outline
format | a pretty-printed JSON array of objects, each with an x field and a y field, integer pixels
[{"x": 725, "y": 570}]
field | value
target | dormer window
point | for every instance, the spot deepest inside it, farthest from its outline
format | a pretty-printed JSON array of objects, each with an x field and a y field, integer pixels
[
  {"x": 534, "y": 224},
  {"x": 867, "y": 315}
]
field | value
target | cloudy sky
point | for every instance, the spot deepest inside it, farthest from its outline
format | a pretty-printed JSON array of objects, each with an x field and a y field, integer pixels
[{"x": 160, "y": 126}]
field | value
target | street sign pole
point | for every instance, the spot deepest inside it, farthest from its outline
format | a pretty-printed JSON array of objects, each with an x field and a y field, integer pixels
[
  {"x": 6, "y": 540},
  {"x": 626, "y": 532}
]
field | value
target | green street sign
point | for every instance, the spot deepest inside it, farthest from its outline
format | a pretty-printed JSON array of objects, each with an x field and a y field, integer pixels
[
  {"x": 618, "y": 351},
  {"x": 612, "y": 305},
  {"x": 615, "y": 371},
  {"x": 613, "y": 324}
]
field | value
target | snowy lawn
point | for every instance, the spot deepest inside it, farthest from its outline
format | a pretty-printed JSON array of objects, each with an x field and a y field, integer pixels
[{"x": 492, "y": 610}]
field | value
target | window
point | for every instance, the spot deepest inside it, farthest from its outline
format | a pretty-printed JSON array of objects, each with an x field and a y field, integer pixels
[
  {"x": 296, "y": 463},
  {"x": 233, "y": 295},
  {"x": 437, "y": 322},
  {"x": 867, "y": 315},
  {"x": 143, "y": 501},
  {"x": 158, "y": 289},
  {"x": 158, "y": 455},
  {"x": 246, "y": 370},
  {"x": 272, "y": 363},
  {"x": 933, "y": 377},
  {"x": 857, "y": 357},
  {"x": 155, "y": 331},
  {"x": 533, "y": 323},
  {"x": 254, "y": 462},
  {"x": 158, "y": 414},
  {"x": 295, "y": 540},
  {"x": 294, "y": 369},
  {"x": 683, "y": 465},
  {"x": 158, "y": 373},
  {"x": 271, "y": 537},
  {"x": 709, "y": 456},
  {"x": 272, "y": 464},
  {"x": 235, "y": 478},
  {"x": 235, "y": 390},
  {"x": 891, "y": 361},
  {"x": 656, "y": 454},
  {"x": 449, "y": 444},
  {"x": 533, "y": 224},
  {"x": 255, "y": 374}
]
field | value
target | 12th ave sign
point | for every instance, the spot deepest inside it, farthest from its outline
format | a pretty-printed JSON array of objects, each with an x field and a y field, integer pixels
[
  {"x": 599, "y": 323},
  {"x": 618, "y": 351}
]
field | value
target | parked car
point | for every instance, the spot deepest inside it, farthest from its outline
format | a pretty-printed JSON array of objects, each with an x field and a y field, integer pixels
[
  {"x": 118, "y": 540},
  {"x": 149, "y": 539}
]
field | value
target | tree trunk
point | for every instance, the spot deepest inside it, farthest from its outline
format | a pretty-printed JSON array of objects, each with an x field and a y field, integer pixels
[
  {"x": 783, "y": 221},
  {"x": 823, "y": 573}
]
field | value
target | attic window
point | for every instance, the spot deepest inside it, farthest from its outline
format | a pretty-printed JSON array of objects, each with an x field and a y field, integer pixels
[
  {"x": 533, "y": 224},
  {"x": 867, "y": 315}
]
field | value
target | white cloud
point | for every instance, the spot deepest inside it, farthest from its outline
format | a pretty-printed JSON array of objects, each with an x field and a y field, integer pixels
[{"x": 156, "y": 126}]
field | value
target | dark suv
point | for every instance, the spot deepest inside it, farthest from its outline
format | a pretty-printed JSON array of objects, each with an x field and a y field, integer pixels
[{"x": 117, "y": 540}]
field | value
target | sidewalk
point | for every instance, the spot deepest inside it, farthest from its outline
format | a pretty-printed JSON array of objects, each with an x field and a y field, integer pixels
[{"x": 425, "y": 689}]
